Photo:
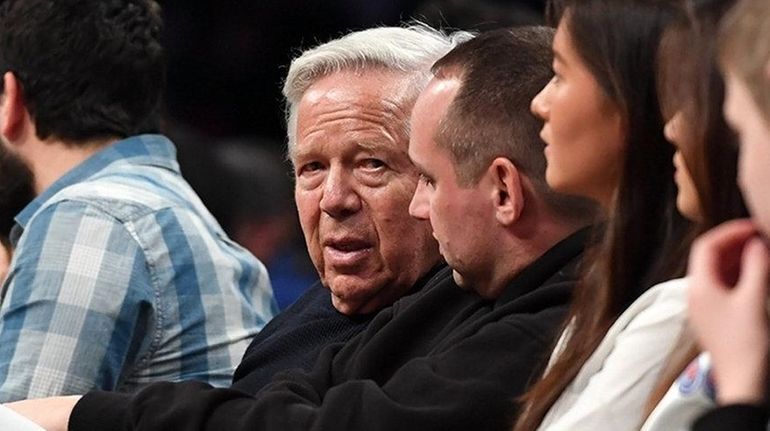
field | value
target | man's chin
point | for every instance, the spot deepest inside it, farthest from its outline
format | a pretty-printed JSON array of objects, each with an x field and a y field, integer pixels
[
  {"x": 348, "y": 306},
  {"x": 351, "y": 293}
]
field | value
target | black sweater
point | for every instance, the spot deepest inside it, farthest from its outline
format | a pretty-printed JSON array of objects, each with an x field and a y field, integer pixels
[
  {"x": 440, "y": 359},
  {"x": 295, "y": 337}
]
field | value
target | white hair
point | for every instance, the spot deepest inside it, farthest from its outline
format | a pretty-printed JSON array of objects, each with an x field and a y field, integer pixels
[{"x": 412, "y": 50}]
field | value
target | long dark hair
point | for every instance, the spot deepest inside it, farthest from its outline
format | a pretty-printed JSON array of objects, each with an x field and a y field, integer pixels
[
  {"x": 687, "y": 63},
  {"x": 645, "y": 239}
]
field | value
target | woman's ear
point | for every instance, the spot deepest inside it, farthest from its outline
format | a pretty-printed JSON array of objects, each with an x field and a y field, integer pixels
[{"x": 509, "y": 195}]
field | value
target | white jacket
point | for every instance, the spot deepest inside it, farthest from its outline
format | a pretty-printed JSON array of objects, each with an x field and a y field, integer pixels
[
  {"x": 610, "y": 391},
  {"x": 691, "y": 395}
]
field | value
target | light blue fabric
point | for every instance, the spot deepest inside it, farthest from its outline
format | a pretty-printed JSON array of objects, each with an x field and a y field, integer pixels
[{"x": 122, "y": 277}]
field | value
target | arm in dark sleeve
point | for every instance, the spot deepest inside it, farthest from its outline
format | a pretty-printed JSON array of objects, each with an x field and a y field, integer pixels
[
  {"x": 742, "y": 417},
  {"x": 468, "y": 386}
]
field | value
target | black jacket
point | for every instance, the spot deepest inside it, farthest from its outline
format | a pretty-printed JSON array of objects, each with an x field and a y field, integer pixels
[{"x": 441, "y": 359}]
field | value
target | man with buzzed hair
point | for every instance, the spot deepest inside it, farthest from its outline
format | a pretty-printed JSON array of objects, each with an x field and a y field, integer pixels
[
  {"x": 446, "y": 358},
  {"x": 478, "y": 140}
]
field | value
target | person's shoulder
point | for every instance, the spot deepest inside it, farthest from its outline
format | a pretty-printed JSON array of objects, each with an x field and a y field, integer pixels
[
  {"x": 121, "y": 200},
  {"x": 662, "y": 307},
  {"x": 540, "y": 310},
  {"x": 672, "y": 292},
  {"x": 550, "y": 290},
  {"x": 315, "y": 301}
]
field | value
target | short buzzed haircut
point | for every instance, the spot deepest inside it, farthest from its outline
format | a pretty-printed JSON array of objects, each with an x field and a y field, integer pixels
[{"x": 500, "y": 72}]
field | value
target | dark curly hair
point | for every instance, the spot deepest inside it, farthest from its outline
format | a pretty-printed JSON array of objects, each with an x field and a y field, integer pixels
[{"x": 88, "y": 68}]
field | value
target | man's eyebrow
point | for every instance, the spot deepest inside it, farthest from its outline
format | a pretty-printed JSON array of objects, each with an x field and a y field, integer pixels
[
  {"x": 370, "y": 146},
  {"x": 420, "y": 169},
  {"x": 295, "y": 153}
]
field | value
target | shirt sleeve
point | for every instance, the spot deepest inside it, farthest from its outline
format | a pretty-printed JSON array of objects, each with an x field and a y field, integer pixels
[
  {"x": 76, "y": 305},
  {"x": 615, "y": 390},
  {"x": 464, "y": 387}
]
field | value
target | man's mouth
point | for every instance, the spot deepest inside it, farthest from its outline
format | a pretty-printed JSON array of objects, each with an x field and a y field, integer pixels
[
  {"x": 543, "y": 136},
  {"x": 346, "y": 252}
]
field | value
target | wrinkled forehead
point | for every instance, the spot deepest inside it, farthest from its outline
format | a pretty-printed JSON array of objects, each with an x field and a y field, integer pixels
[
  {"x": 366, "y": 104},
  {"x": 369, "y": 88},
  {"x": 368, "y": 109}
]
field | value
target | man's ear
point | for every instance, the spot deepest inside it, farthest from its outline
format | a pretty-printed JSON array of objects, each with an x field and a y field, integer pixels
[
  {"x": 509, "y": 194},
  {"x": 12, "y": 107}
]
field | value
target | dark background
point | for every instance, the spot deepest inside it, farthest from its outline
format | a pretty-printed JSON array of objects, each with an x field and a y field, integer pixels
[{"x": 226, "y": 62}]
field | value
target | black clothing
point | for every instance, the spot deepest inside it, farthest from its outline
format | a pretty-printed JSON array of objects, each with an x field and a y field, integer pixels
[
  {"x": 443, "y": 359},
  {"x": 295, "y": 337},
  {"x": 742, "y": 417}
]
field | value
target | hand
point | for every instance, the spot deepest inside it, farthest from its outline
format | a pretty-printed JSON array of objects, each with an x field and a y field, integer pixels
[
  {"x": 728, "y": 296},
  {"x": 53, "y": 414}
]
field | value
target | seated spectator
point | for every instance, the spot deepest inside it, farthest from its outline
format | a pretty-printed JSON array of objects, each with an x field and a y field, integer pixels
[
  {"x": 604, "y": 135},
  {"x": 120, "y": 276},
  {"x": 445, "y": 358},
  {"x": 366, "y": 248},
  {"x": 730, "y": 265},
  {"x": 692, "y": 94}
]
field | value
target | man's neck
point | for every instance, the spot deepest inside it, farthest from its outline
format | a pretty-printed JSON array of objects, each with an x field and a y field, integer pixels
[
  {"x": 525, "y": 244},
  {"x": 50, "y": 160}
]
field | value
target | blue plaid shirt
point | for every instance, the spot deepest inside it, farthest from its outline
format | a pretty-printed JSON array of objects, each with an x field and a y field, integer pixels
[{"x": 121, "y": 277}]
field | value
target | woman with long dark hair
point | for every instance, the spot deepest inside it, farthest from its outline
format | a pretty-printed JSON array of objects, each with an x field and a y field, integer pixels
[
  {"x": 692, "y": 93},
  {"x": 730, "y": 265},
  {"x": 604, "y": 135}
]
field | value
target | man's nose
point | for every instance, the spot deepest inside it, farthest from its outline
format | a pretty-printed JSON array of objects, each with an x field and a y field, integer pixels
[
  {"x": 419, "y": 208},
  {"x": 539, "y": 105},
  {"x": 340, "y": 198}
]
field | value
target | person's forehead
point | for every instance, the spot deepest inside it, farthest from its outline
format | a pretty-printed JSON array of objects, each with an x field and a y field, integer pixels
[
  {"x": 434, "y": 103},
  {"x": 347, "y": 85},
  {"x": 372, "y": 98},
  {"x": 351, "y": 131},
  {"x": 562, "y": 48}
]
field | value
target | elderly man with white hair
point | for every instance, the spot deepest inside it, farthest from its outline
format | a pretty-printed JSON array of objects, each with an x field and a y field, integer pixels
[{"x": 348, "y": 106}]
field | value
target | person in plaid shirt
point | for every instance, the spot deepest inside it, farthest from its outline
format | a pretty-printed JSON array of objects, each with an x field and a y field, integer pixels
[{"x": 120, "y": 276}]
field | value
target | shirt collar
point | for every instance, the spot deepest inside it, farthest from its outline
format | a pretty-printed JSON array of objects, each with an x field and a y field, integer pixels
[
  {"x": 148, "y": 150},
  {"x": 555, "y": 260}
]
